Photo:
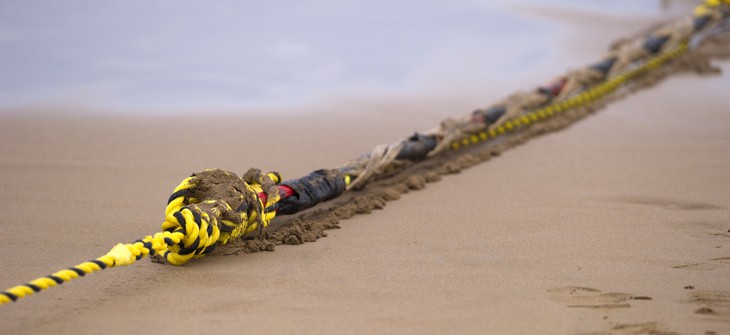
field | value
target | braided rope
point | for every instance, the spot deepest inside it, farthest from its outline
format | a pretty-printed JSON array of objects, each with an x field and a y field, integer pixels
[
  {"x": 192, "y": 227},
  {"x": 215, "y": 206},
  {"x": 584, "y": 98},
  {"x": 575, "y": 89}
]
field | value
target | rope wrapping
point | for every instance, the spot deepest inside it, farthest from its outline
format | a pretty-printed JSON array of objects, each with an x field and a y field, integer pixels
[
  {"x": 318, "y": 186},
  {"x": 213, "y": 207}
]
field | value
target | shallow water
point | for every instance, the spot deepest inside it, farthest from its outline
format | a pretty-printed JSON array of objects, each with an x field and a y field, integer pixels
[{"x": 168, "y": 56}]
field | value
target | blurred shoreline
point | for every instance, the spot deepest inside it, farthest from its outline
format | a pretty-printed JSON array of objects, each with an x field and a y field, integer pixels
[{"x": 171, "y": 58}]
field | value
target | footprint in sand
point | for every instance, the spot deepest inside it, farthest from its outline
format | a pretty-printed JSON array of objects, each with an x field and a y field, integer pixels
[
  {"x": 711, "y": 303},
  {"x": 709, "y": 265},
  {"x": 720, "y": 236},
  {"x": 672, "y": 204},
  {"x": 586, "y": 297},
  {"x": 651, "y": 328},
  {"x": 715, "y": 230}
]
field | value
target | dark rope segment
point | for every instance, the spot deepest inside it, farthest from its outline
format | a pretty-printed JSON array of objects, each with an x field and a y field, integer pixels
[{"x": 318, "y": 186}]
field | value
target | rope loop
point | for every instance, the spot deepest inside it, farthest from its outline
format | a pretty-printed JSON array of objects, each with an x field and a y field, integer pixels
[{"x": 214, "y": 206}]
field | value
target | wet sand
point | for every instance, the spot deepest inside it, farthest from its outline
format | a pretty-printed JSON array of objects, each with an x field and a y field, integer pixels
[{"x": 616, "y": 225}]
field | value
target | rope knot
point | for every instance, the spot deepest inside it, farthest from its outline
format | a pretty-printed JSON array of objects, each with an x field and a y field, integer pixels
[{"x": 215, "y": 206}]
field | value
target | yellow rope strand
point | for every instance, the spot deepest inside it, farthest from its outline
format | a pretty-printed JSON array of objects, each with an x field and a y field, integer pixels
[{"x": 584, "y": 98}]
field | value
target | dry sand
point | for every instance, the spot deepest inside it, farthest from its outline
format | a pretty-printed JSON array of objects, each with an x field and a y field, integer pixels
[{"x": 617, "y": 225}]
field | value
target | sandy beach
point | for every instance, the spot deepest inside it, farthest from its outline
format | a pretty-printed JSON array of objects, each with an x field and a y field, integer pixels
[{"x": 618, "y": 224}]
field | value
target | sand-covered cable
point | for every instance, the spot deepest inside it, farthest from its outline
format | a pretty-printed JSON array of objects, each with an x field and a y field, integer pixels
[{"x": 312, "y": 224}]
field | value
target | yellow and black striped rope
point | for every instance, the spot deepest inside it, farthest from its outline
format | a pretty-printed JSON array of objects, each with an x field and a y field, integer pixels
[
  {"x": 119, "y": 255},
  {"x": 188, "y": 231}
]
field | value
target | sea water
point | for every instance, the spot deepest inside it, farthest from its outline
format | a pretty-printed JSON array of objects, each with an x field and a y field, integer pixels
[{"x": 167, "y": 56}]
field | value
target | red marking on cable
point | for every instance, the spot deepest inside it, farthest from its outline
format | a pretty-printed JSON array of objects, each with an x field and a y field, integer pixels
[{"x": 284, "y": 192}]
